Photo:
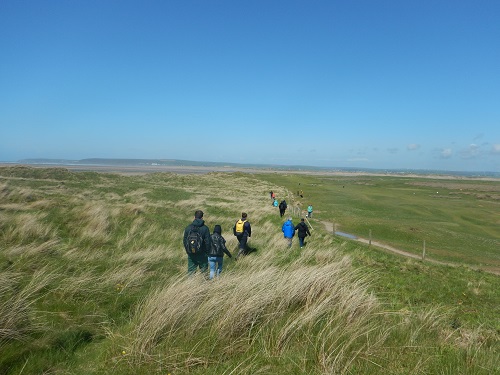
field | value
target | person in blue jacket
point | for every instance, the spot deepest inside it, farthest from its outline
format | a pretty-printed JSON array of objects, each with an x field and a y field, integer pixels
[{"x": 288, "y": 230}]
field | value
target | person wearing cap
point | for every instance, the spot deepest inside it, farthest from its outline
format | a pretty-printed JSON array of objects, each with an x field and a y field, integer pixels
[
  {"x": 198, "y": 259},
  {"x": 288, "y": 231},
  {"x": 242, "y": 230},
  {"x": 216, "y": 252},
  {"x": 302, "y": 232}
]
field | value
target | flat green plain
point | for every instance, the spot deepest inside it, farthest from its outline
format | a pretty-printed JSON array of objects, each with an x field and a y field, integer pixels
[{"x": 458, "y": 219}]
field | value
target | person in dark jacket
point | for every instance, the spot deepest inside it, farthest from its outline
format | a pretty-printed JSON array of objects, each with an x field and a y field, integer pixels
[
  {"x": 216, "y": 252},
  {"x": 242, "y": 230},
  {"x": 288, "y": 231},
  {"x": 282, "y": 207},
  {"x": 302, "y": 232},
  {"x": 198, "y": 259}
]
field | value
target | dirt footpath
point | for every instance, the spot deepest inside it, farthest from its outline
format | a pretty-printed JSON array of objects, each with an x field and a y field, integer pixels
[{"x": 329, "y": 228}]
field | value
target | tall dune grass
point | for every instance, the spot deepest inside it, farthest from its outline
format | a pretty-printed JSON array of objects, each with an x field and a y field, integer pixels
[
  {"x": 18, "y": 317},
  {"x": 33, "y": 249},
  {"x": 29, "y": 227},
  {"x": 93, "y": 280},
  {"x": 94, "y": 221},
  {"x": 324, "y": 307}
]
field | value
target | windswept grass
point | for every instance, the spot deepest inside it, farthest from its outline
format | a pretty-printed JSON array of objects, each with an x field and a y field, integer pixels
[
  {"x": 93, "y": 280},
  {"x": 18, "y": 315},
  {"x": 28, "y": 228},
  {"x": 320, "y": 310},
  {"x": 94, "y": 222}
]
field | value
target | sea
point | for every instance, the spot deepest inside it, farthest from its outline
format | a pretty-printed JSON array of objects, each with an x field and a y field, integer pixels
[{"x": 188, "y": 166}]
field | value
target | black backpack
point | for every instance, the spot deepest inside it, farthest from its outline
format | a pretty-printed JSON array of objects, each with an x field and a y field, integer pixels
[
  {"x": 216, "y": 245},
  {"x": 194, "y": 240}
]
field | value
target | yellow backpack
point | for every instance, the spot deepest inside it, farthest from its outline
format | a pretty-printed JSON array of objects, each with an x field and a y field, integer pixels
[{"x": 239, "y": 226}]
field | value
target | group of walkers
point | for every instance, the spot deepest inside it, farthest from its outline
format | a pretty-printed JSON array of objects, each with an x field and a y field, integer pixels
[
  {"x": 205, "y": 250},
  {"x": 289, "y": 229},
  {"x": 282, "y": 205}
]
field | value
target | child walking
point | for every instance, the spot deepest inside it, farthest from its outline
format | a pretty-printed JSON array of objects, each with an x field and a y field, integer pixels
[{"x": 216, "y": 252}]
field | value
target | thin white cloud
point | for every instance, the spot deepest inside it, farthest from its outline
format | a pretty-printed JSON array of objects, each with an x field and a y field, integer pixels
[
  {"x": 478, "y": 136},
  {"x": 496, "y": 149},
  {"x": 392, "y": 150},
  {"x": 446, "y": 153},
  {"x": 470, "y": 152},
  {"x": 412, "y": 147}
]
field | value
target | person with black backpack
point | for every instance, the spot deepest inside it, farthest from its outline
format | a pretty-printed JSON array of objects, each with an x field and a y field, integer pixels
[
  {"x": 216, "y": 252},
  {"x": 282, "y": 207},
  {"x": 197, "y": 243},
  {"x": 242, "y": 230}
]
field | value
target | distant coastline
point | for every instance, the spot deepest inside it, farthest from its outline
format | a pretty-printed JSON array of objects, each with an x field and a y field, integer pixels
[{"x": 144, "y": 166}]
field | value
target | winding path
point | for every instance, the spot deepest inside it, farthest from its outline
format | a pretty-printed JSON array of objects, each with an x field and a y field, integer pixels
[{"x": 329, "y": 227}]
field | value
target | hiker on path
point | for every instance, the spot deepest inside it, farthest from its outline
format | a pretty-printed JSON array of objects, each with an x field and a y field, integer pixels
[
  {"x": 302, "y": 232},
  {"x": 282, "y": 207},
  {"x": 271, "y": 193},
  {"x": 216, "y": 252},
  {"x": 310, "y": 211},
  {"x": 288, "y": 231},
  {"x": 275, "y": 202},
  {"x": 197, "y": 242},
  {"x": 242, "y": 230}
]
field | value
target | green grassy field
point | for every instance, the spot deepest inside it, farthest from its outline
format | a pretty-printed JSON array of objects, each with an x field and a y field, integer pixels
[
  {"x": 458, "y": 219},
  {"x": 93, "y": 277}
]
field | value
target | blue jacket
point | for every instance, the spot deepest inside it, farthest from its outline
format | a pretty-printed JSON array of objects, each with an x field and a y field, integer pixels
[{"x": 288, "y": 229}]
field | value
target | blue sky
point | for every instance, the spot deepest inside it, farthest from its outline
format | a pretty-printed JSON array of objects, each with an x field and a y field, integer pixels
[{"x": 370, "y": 84}]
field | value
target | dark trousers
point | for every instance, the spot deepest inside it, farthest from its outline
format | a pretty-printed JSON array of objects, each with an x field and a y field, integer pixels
[
  {"x": 301, "y": 241},
  {"x": 197, "y": 261},
  {"x": 242, "y": 244}
]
